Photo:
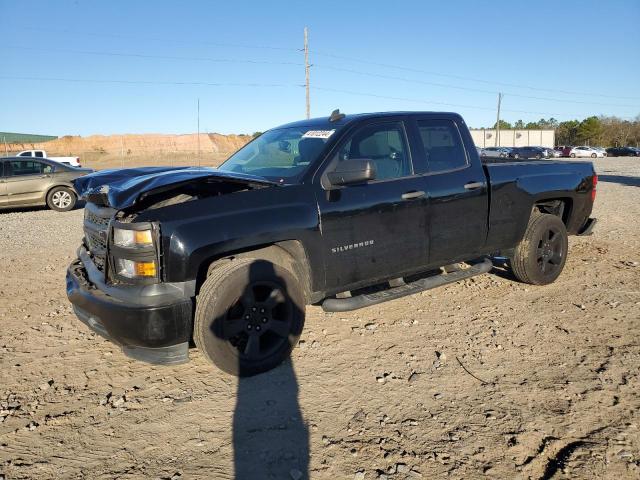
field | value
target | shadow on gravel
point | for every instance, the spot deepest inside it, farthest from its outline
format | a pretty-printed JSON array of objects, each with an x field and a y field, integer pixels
[
  {"x": 621, "y": 179},
  {"x": 270, "y": 437},
  {"x": 502, "y": 269}
]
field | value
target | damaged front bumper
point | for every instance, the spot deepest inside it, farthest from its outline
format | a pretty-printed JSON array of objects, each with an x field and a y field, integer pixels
[{"x": 150, "y": 323}]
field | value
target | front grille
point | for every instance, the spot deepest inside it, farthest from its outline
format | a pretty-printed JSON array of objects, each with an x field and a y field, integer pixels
[
  {"x": 95, "y": 242},
  {"x": 96, "y": 224},
  {"x": 96, "y": 219}
]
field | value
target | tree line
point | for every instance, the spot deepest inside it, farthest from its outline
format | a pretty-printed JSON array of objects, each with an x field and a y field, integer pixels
[{"x": 603, "y": 131}]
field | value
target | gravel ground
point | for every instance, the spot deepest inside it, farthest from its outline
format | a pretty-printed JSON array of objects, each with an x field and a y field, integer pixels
[{"x": 484, "y": 378}]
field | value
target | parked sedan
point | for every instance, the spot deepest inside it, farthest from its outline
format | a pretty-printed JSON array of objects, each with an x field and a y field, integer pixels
[
  {"x": 623, "y": 152},
  {"x": 585, "y": 151},
  {"x": 601, "y": 150},
  {"x": 496, "y": 152},
  {"x": 25, "y": 183},
  {"x": 530, "y": 152}
]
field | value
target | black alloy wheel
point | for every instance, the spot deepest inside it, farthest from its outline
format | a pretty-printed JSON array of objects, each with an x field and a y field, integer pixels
[
  {"x": 258, "y": 324},
  {"x": 550, "y": 251},
  {"x": 540, "y": 256},
  {"x": 249, "y": 315}
]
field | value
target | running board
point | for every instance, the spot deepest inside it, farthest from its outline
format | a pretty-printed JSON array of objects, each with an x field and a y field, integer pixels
[{"x": 367, "y": 299}]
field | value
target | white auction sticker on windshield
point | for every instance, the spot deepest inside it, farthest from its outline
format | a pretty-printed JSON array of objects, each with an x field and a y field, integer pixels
[{"x": 318, "y": 134}]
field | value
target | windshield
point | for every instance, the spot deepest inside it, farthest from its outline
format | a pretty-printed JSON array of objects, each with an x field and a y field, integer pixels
[{"x": 281, "y": 155}]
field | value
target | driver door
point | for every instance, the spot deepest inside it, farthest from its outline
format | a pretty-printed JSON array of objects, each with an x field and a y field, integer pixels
[{"x": 375, "y": 230}]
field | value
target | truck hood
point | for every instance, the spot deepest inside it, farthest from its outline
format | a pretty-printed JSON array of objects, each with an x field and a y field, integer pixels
[{"x": 122, "y": 188}]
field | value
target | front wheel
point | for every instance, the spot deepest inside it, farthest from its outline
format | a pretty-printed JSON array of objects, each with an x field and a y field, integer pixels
[
  {"x": 593, "y": 155},
  {"x": 573, "y": 155},
  {"x": 249, "y": 316},
  {"x": 540, "y": 256},
  {"x": 61, "y": 199}
]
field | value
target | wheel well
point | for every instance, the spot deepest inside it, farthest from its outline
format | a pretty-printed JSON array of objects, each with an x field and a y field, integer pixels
[
  {"x": 560, "y": 207},
  {"x": 289, "y": 254},
  {"x": 46, "y": 196}
]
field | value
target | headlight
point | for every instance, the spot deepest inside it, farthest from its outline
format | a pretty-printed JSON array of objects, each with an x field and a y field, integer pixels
[
  {"x": 133, "y": 269},
  {"x": 132, "y": 238}
]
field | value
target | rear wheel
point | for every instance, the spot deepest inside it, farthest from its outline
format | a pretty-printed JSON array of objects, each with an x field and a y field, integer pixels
[
  {"x": 249, "y": 316},
  {"x": 573, "y": 155},
  {"x": 593, "y": 155},
  {"x": 61, "y": 199},
  {"x": 540, "y": 256}
]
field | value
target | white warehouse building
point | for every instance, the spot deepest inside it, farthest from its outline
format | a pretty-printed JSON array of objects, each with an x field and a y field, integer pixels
[{"x": 513, "y": 138}]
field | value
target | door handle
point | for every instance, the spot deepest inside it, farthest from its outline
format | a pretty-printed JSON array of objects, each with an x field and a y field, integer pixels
[
  {"x": 412, "y": 195},
  {"x": 473, "y": 185}
]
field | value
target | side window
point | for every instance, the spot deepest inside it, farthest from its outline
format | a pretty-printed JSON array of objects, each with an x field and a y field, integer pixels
[
  {"x": 25, "y": 154},
  {"x": 38, "y": 153},
  {"x": 385, "y": 145},
  {"x": 25, "y": 167},
  {"x": 442, "y": 145}
]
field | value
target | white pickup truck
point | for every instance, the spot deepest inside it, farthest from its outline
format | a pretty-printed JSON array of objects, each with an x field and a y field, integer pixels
[{"x": 72, "y": 161}]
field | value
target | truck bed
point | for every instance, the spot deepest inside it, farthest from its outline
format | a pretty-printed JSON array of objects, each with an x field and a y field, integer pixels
[{"x": 515, "y": 185}]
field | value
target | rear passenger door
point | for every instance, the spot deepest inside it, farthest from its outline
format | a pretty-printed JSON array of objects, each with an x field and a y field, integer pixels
[
  {"x": 457, "y": 190},
  {"x": 27, "y": 181}
]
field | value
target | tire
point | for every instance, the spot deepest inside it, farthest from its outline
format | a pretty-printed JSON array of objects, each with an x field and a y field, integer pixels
[
  {"x": 61, "y": 199},
  {"x": 593, "y": 155},
  {"x": 538, "y": 157},
  {"x": 540, "y": 256},
  {"x": 516, "y": 156},
  {"x": 249, "y": 316},
  {"x": 573, "y": 155}
]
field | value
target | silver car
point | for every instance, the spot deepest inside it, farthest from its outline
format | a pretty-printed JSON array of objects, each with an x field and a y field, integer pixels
[
  {"x": 585, "y": 151},
  {"x": 31, "y": 182},
  {"x": 496, "y": 152}
]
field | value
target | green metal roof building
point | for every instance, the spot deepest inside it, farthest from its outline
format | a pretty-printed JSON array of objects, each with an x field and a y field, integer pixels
[{"x": 10, "y": 137}]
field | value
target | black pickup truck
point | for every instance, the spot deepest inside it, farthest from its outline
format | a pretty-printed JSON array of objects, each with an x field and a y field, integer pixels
[{"x": 344, "y": 211}]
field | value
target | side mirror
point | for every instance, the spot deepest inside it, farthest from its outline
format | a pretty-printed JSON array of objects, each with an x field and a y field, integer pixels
[{"x": 351, "y": 171}]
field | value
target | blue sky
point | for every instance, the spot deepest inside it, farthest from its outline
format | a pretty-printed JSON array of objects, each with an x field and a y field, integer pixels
[{"x": 76, "y": 67}]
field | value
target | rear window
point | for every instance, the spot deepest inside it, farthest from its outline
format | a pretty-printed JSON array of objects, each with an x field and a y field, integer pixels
[
  {"x": 26, "y": 167},
  {"x": 442, "y": 145}
]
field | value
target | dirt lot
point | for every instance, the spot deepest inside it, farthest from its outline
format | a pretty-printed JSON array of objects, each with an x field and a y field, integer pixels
[{"x": 488, "y": 377}]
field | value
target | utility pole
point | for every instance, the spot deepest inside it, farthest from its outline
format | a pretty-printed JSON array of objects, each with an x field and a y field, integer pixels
[
  {"x": 198, "y": 131},
  {"x": 6, "y": 148},
  {"x": 498, "y": 121},
  {"x": 306, "y": 68},
  {"x": 122, "y": 151}
]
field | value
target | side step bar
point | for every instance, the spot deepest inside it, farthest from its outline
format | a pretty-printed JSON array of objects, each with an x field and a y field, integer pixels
[{"x": 367, "y": 299}]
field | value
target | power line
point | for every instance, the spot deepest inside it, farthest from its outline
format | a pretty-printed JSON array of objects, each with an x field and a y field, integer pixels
[
  {"x": 145, "y": 82},
  {"x": 157, "y": 57},
  {"x": 435, "y": 102},
  {"x": 331, "y": 55},
  {"x": 470, "y": 89},
  {"x": 267, "y": 85},
  {"x": 307, "y": 65},
  {"x": 472, "y": 79},
  {"x": 156, "y": 39}
]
